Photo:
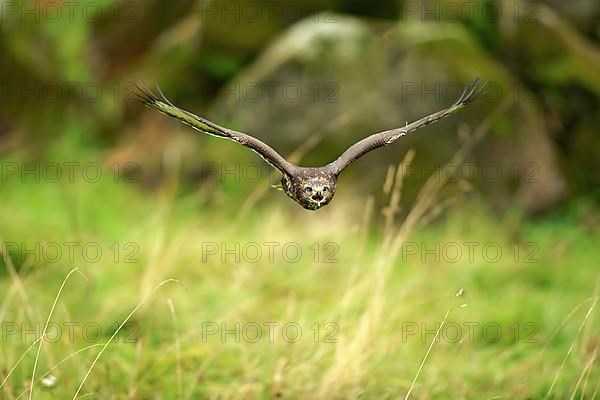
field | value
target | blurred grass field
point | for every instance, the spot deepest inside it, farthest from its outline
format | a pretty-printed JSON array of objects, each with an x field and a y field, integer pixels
[{"x": 362, "y": 307}]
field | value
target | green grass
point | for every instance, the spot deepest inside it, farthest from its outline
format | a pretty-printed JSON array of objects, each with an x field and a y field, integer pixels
[{"x": 364, "y": 303}]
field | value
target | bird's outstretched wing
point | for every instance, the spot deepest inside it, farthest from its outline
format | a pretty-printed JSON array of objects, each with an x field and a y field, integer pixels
[
  {"x": 146, "y": 96},
  {"x": 384, "y": 138}
]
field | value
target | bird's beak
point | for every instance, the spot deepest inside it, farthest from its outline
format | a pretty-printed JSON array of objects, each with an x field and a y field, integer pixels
[{"x": 318, "y": 197}]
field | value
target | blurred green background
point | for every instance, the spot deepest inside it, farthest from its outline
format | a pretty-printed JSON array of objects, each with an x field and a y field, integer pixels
[{"x": 517, "y": 169}]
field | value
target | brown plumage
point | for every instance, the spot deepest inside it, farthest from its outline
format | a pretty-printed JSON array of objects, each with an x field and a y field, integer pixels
[{"x": 311, "y": 187}]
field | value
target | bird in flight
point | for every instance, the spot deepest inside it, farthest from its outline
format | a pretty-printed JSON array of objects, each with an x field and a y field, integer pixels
[{"x": 311, "y": 187}]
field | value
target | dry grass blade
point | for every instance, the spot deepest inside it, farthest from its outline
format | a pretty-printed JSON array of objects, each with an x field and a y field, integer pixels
[
  {"x": 105, "y": 346},
  {"x": 584, "y": 373},
  {"x": 177, "y": 347},
  {"x": 55, "y": 366},
  {"x": 581, "y": 326},
  {"x": 431, "y": 345},
  {"x": 393, "y": 207},
  {"x": 18, "y": 362},
  {"x": 564, "y": 321},
  {"x": 37, "y": 355},
  {"x": 17, "y": 281}
]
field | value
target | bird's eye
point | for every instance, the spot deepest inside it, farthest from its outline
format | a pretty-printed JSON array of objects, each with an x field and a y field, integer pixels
[
  {"x": 325, "y": 189},
  {"x": 308, "y": 189}
]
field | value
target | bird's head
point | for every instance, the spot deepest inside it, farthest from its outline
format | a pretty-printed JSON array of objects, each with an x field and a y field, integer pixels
[{"x": 313, "y": 192}]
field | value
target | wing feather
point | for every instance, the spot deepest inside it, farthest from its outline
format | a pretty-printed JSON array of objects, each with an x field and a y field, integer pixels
[
  {"x": 384, "y": 138},
  {"x": 146, "y": 96}
]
